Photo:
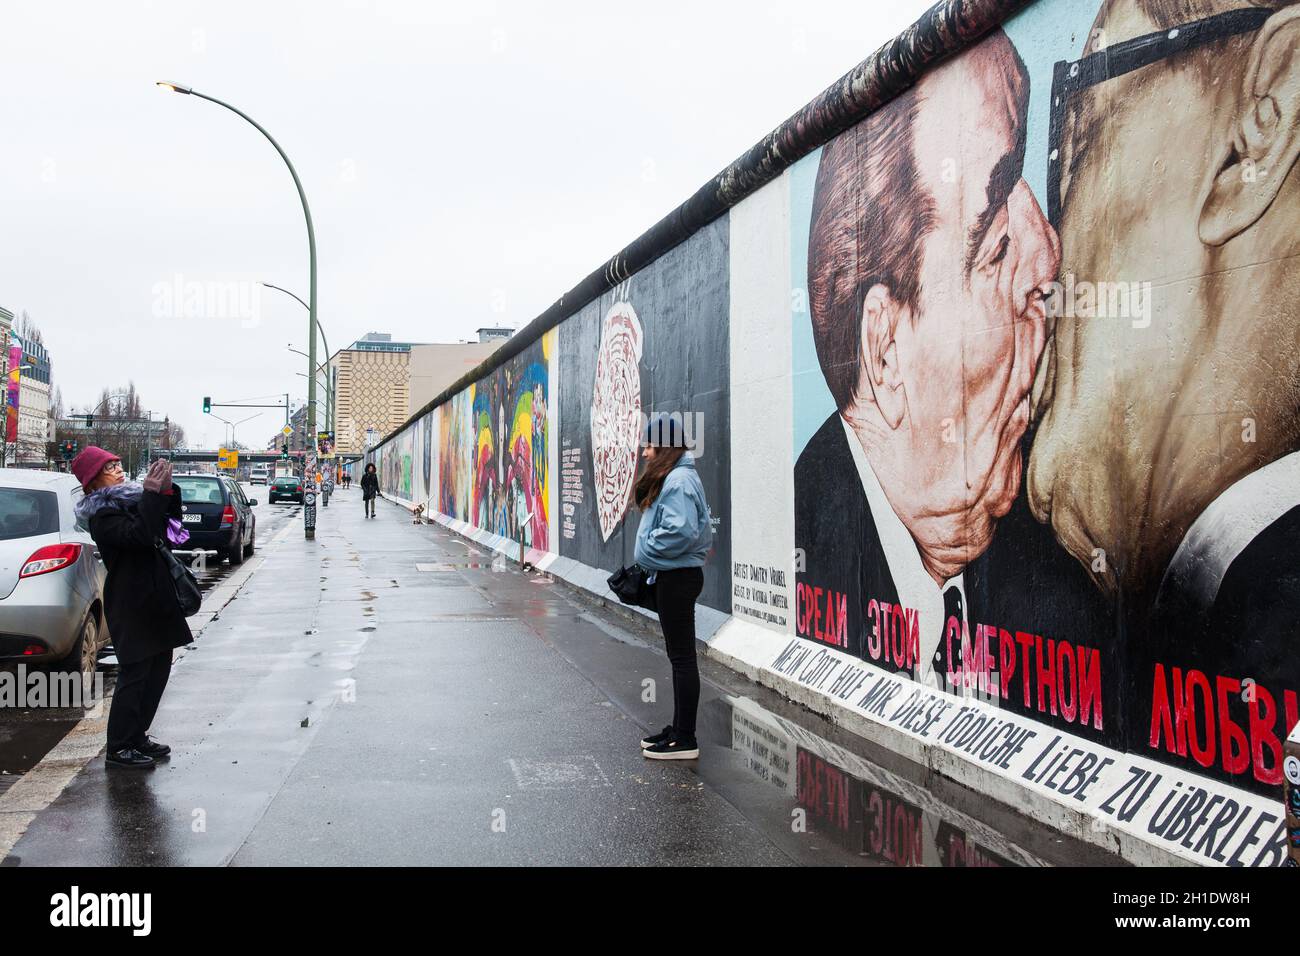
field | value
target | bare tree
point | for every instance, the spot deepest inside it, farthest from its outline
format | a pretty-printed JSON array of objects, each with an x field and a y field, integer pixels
[{"x": 27, "y": 328}]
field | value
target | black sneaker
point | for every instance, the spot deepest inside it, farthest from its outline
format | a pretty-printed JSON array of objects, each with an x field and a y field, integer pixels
[
  {"x": 151, "y": 748},
  {"x": 674, "y": 748},
  {"x": 128, "y": 758},
  {"x": 658, "y": 738}
]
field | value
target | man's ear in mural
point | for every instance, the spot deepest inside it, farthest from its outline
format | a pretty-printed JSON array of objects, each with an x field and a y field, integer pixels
[
  {"x": 880, "y": 316},
  {"x": 1264, "y": 140}
]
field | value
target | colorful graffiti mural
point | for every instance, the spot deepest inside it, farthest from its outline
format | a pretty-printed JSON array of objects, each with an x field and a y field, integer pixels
[
  {"x": 12, "y": 389},
  {"x": 488, "y": 449}
]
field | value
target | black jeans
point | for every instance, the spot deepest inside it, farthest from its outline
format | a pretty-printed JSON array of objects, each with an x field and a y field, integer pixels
[
  {"x": 139, "y": 688},
  {"x": 675, "y": 594},
  {"x": 370, "y": 506}
]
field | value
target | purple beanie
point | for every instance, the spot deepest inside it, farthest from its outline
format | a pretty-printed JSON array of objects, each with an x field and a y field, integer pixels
[{"x": 89, "y": 463}]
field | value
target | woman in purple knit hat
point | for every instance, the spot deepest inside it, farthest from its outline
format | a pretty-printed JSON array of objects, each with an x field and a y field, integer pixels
[{"x": 129, "y": 522}]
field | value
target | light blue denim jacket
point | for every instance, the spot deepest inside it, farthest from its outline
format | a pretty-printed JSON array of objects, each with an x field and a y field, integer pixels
[{"x": 676, "y": 531}]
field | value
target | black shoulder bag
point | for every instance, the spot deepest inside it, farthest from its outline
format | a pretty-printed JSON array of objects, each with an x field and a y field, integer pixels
[
  {"x": 188, "y": 595},
  {"x": 630, "y": 585}
]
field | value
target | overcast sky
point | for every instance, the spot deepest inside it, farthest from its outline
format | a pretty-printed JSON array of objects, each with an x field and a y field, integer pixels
[{"x": 466, "y": 164}]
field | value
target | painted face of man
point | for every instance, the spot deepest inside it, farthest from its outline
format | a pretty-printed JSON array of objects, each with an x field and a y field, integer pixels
[
  {"x": 967, "y": 354},
  {"x": 1148, "y": 414}
]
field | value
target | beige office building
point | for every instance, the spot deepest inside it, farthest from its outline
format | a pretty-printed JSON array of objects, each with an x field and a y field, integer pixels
[
  {"x": 379, "y": 382},
  {"x": 371, "y": 391}
]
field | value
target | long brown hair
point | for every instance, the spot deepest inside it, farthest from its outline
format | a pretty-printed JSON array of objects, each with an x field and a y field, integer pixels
[{"x": 651, "y": 481}]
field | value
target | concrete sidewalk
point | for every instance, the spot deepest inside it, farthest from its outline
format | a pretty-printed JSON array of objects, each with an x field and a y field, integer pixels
[{"x": 383, "y": 695}]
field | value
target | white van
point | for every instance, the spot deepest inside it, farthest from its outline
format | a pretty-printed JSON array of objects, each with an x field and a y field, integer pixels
[{"x": 259, "y": 475}]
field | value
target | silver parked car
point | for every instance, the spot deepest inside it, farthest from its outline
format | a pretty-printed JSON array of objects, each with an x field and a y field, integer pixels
[{"x": 51, "y": 577}]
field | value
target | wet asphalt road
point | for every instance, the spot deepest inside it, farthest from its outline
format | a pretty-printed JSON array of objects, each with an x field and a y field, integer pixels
[
  {"x": 28, "y": 734},
  {"x": 383, "y": 695}
]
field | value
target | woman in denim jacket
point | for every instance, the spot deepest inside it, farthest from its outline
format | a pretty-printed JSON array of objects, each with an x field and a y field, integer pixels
[{"x": 672, "y": 542}]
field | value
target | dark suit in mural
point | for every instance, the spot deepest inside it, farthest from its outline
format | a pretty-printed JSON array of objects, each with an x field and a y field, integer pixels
[
  {"x": 1166, "y": 456},
  {"x": 840, "y": 547}
]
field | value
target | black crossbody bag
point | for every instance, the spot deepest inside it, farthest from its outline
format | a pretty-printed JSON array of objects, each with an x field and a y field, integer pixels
[
  {"x": 186, "y": 585},
  {"x": 630, "y": 585}
]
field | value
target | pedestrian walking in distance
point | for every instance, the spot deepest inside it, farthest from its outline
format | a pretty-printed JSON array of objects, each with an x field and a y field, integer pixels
[
  {"x": 369, "y": 489},
  {"x": 129, "y": 522},
  {"x": 672, "y": 542}
]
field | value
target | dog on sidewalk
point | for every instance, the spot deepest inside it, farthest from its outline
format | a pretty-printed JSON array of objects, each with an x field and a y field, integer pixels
[{"x": 419, "y": 514}]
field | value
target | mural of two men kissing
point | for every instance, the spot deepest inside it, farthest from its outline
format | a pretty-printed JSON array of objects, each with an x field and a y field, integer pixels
[{"x": 1057, "y": 461}]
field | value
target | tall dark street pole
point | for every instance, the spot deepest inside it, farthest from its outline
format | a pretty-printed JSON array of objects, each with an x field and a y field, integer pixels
[{"x": 309, "y": 478}]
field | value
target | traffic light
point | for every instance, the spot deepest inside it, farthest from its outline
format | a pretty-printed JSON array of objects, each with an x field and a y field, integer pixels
[
  {"x": 90, "y": 421},
  {"x": 284, "y": 450},
  {"x": 69, "y": 448},
  {"x": 207, "y": 405}
]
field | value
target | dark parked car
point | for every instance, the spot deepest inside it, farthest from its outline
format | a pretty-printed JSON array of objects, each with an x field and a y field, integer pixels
[
  {"x": 286, "y": 489},
  {"x": 217, "y": 516}
]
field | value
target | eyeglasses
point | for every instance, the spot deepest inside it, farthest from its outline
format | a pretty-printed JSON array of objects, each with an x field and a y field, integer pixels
[
  {"x": 1070, "y": 77},
  {"x": 113, "y": 466}
]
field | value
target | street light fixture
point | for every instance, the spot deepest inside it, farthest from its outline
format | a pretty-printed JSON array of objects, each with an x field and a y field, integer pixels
[
  {"x": 225, "y": 435},
  {"x": 329, "y": 375},
  {"x": 319, "y": 327},
  {"x": 309, "y": 496},
  {"x": 329, "y": 388},
  {"x": 230, "y": 441}
]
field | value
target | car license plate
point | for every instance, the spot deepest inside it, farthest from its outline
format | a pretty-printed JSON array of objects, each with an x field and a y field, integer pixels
[{"x": 191, "y": 519}]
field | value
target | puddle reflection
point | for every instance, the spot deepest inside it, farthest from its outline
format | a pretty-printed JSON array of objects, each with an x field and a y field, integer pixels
[{"x": 865, "y": 809}]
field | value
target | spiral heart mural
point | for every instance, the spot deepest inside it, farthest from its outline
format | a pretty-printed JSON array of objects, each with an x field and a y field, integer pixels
[{"x": 616, "y": 414}]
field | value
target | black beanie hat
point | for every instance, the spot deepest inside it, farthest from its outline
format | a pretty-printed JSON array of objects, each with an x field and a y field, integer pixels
[{"x": 664, "y": 431}]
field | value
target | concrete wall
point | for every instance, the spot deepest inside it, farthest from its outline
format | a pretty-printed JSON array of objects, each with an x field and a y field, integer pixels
[{"x": 996, "y": 390}]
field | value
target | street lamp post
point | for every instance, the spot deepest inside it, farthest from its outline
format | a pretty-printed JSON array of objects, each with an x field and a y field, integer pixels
[
  {"x": 225, "y": 434},
  {"x": 329, "y": 375},
  {"x": 329, "y": 390},
  {"x": 309, "y": 489}
]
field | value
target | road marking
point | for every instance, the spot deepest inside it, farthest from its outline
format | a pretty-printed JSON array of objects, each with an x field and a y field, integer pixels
[{"x": 563, "y": 773}]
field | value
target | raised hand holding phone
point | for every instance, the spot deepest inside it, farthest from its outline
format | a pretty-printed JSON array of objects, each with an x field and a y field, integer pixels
[{"x": 159, "y": 478}]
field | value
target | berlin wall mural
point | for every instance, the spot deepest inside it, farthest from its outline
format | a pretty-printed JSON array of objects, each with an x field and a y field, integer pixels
[
  {"x": 1043, "y": 453},
  {"x": 656, "y": 343},
  {"x": 483, "y": 457},
  {"x": 997, "y": 394},
  {"x": 508, "y": 442},
  {"x": 929, "y": 266}
]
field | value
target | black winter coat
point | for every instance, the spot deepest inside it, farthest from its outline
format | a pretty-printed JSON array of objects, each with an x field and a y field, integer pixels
[
  {"x": 369, "y": 485},
  {"x": 140, "y": 603}
]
